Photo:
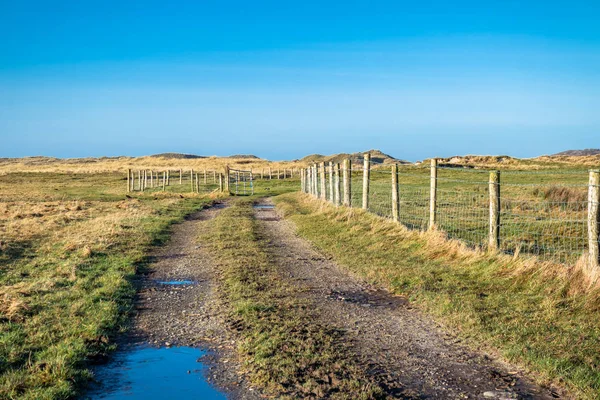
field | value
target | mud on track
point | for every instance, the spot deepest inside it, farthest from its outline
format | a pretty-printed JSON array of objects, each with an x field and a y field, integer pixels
[{"x": 409, "y": 354}]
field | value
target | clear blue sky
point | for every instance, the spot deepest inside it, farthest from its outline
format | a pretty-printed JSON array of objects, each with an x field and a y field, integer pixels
[{"x": 285, "y": 79}]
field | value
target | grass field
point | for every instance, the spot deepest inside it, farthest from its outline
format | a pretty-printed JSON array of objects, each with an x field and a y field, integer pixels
[
  {"x": 537, "y": 315},
  {"x": 70, "y": 246}
]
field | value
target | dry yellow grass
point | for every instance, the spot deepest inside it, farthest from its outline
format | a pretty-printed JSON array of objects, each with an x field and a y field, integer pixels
[
  {"x": 537, "y": 163},
  {"x": 121, "y": 164}
]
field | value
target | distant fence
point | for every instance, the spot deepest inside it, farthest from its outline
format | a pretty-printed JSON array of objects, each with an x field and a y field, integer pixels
[
  {"x": 202, "y": 181},
  {"x": 553, "y": 214}
]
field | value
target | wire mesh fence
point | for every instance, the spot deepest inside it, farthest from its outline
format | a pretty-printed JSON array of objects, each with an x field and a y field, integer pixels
[
  {"x": 241, "y": 182},
  {"x": 543, "y": 213}
]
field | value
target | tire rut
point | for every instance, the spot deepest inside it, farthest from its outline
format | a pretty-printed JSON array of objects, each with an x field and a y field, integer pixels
[{"x": 408, "y": 353}]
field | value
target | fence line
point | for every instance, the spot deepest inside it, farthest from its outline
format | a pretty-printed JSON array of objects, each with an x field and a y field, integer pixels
[
  {"x": 552, "y": 214},
  {"x": 203, "y": 181}
]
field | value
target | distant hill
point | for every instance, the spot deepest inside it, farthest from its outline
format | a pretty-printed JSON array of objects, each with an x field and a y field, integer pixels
[
  {"x": 177, "y": 156},
  {"x": 244, "y": 156},
  {"x": 377, "y": 157},
  {"x": 180, "y": 156},
  {"x": 579, "y": 153}
]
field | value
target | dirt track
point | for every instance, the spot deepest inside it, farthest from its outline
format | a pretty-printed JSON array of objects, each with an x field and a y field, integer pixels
[
  {"x": 189, "y": 315},
  {"x": 410, "y": 355}
]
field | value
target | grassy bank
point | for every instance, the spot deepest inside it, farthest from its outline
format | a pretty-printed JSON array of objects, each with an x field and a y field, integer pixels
[
  {"x": 69, "y": 246},
  {"x": 283, "y": 349},
  {"x": 535, "y": 314}
]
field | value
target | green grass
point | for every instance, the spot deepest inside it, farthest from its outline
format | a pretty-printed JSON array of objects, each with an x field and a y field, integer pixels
[
  {"x": 71, "y": 245},
  {"x": 542, "y": 319},
  {"x": 284, "y": 350}
]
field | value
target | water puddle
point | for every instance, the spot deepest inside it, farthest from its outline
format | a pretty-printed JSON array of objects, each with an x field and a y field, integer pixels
[
  {"x": 176, "y": 283},
  {"x": 263, "y": 206},
  {"x": 143, "y": 372}
]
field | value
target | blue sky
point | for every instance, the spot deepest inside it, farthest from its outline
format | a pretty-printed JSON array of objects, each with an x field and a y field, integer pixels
[{"x": 414, "y": 79}]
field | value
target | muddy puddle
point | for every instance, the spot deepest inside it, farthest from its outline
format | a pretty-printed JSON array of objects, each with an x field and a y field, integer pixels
[
  {"x": 144, "y": 372},
  {"x": 177, "y": 282},
  {"x": 263, "y": 206}
]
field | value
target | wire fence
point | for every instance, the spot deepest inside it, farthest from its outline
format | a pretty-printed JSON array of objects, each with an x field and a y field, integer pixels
[
  {"x": 173, "y": 180},
  {"x": 545, "y": 213},
  {"x": 241, "y": 183},
  {"x": 202, "y": 181}
]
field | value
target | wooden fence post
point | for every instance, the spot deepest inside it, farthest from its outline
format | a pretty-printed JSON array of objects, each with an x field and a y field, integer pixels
[
  {"x": 164, "y": 180},
  {"x": 306, "y": 179},
  {"x": 315, "y": 189},
  {"x": 331, "y": 183},
  {"x": 323, "y": 182},
  {"x": 197, "y": 183},
  {"x": 168, "y": 177},
  {"x": 433, "y": 194},
  {"x": 317, "y": 183},
  {"x": 347, "y": 183},
  {"x": 180, "y": 176},
  {"x": 494, "y": 189},
  {"x": 337, "y": 200},
  {"x": 270, "y": 174},
  {"x": 305, "y": 176},
  {"x": 227, "y": 179},
  {"x": 129, "y": 180},
  {"x": 366, "y": 180},
  {"x": 220, "y": 182},
  {"x": 593, "y": 224},
  {"x": 192, "y": 180},
  {"x": 139, "y": 180},
  {"x": 395, "y": 194}
]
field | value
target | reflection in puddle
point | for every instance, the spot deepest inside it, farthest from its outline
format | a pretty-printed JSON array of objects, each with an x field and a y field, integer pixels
[
  {"x": 183, "y": 282},
  {"x": 143, "y": 372},
  {"x": 264, "y": 206}
]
